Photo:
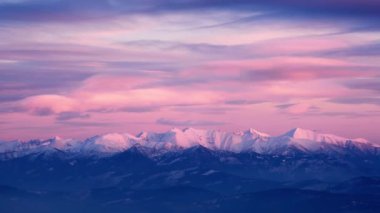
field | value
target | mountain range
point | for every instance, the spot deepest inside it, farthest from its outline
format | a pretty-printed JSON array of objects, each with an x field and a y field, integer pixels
[
  {"x": 191, "y": 170},
  {"x": 300, "y": 140}
]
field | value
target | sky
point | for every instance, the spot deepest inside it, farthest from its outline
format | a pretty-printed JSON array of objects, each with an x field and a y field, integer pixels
[{"x": 77, "y": 68}]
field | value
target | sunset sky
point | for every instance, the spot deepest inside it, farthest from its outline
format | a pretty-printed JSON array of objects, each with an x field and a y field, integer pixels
[{"x": 77, "y": 68}]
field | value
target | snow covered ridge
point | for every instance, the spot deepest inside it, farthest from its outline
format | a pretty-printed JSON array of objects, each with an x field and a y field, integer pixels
[{"x": 300, "y": 140}]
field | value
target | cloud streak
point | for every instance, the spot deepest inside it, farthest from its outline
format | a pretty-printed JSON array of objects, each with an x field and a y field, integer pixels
[
  {"x": 72, "y": 10},
  {"x": 169, "y": 122}
]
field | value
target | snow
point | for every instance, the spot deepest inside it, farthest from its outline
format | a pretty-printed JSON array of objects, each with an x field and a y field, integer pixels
[
  {"x": 311, "y": 135},
  {"x": 361, "y": 140},
  {"x": 299, "y": 133},
  {"x": 112, "y": 142},
  {"x": 257, "y": 133},
  {"x": 177, "y": 139}
]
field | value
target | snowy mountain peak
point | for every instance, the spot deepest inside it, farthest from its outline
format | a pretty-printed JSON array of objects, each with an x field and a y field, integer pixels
[
  {"x": 312, "y": 141},
  {"x": 257, "y": 133},
  {"x": 56, "y": 138},
  {"x": 361, "y": 140},
  {"x": 299, "y": 133}
]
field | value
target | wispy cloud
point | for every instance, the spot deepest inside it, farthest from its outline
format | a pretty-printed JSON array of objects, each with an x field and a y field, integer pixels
[
  {"x": 357, "y": 100},
  {"x": 63, "y": 116},
  {"x": 366, "y": 84},
  {"x": 298, "y": 108},
  {"x": 72, "y": 10},
  {"x": 169, "y": 122}
]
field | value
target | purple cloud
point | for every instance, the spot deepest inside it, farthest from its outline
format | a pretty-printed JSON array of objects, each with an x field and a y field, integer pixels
[
  {"x": 169, "y": 122},
  {"x": 372, "y": 49},
  {"x": 366, "y": 84},
  {"x": 70, "y": 10},
  {"x": 243, "y": 102},
  {"x": 356, "y": 100},
  {"x": 63, "y": 116}
]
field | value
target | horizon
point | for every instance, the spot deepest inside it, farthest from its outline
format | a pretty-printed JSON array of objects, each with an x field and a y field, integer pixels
[
  {"x": 183, "y": 129},
  {"x": 88, "y": 68}
]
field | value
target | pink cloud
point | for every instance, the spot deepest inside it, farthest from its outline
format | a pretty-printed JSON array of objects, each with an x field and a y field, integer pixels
[
  {"x": 291, "y": 45},
  {"x": 48, "y": 104},
  {"x": 297, "y": 108}
]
